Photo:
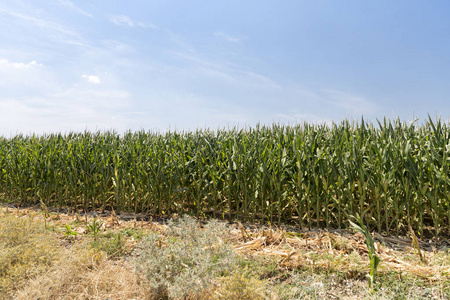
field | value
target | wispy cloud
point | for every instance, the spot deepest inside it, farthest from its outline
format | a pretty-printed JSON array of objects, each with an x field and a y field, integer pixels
[
  {"x": 187, "y": 85},
  {"x": 91, "y": 78},
  {"x": 146, "y": 25},
  {"x": 117, "y": 46},
  {"x": 92, "y": 98},
  {"x": 121, "y": 20},
  {"x": 226, "y": 71},
  {"x": 70, "y": 5},
  {"x": 73, "y": 109},
  {"x": 19, "y": 77},
  {"x": 39, "y": 22},
  {"x": 53, "y": 29},
  {"x": 299, "y": 118},
  {"x": 4, "y": 63},
  {"x": 353, "y": 104},
  {"x": 228, "y": 37}
]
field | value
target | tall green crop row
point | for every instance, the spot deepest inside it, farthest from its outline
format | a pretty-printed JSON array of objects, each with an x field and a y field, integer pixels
[{"x": 392, "y": 174}]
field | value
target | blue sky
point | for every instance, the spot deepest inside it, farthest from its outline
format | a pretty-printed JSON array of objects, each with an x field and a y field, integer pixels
[{"x": 162, "y": 64}]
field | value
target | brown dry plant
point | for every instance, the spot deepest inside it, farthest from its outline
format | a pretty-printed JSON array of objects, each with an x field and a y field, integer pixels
[
  {"x": 85, "y": 273},
  {"x": 26, "y": 250}
]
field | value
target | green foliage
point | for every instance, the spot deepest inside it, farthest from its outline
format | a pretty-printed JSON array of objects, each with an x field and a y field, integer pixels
[
  {"x": 113, "y": 244},
  {"x": 95, "y": 227},
  {"x": 242, "y": 284},
  {"x": 393, "y": 174},
  {"x": 185, "y": 261},
  {"x": 134, "y": 233},
  {"x": 69, "y": 231}
]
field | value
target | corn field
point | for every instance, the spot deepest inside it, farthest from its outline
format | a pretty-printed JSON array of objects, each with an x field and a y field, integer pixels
[{"x": 393, "y": 174}]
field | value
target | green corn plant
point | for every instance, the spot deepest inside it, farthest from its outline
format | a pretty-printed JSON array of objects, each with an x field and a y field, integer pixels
[
  {"x": 46, "y": 214},
  {"x": 393, "y": 175},
  {"x": 69, "y": 231},
  {"x": 95, "y": 227},
  {"x": 374, "y": 258}
]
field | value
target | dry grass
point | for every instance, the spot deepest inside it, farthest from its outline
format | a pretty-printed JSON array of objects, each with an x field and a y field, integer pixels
[
  {"x": 73, "y": 270},
  {"x": 281, "y": 263},
  {"x": 26, "y": 250},
  {"x": 343, "y": 251},
  {"x": 86, "y": 275}
]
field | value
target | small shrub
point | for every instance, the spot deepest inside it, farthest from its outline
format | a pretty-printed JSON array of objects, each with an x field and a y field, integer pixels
[
  {"x": 185, "y": 262},
  {"x": 134, "y": 233},
  {"x": 113, "y": 244}
]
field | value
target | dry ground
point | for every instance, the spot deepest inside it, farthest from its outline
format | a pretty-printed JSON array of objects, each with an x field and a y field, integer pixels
[{"x": 274, "y": 263}]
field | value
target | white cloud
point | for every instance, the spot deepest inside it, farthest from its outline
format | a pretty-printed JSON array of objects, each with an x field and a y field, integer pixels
[
  {"x": 121, "y": 20},
  {"x": 4, "y": 63},
  {"x": 227, "y": 37},
  {"x": 91, "y": 78},
  {"x": 19, "y": 77},
  {"x": 146, "y": 25}
]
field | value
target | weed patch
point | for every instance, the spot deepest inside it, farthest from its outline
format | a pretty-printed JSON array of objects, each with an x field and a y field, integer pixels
[{"x": 186, "y": 260}]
